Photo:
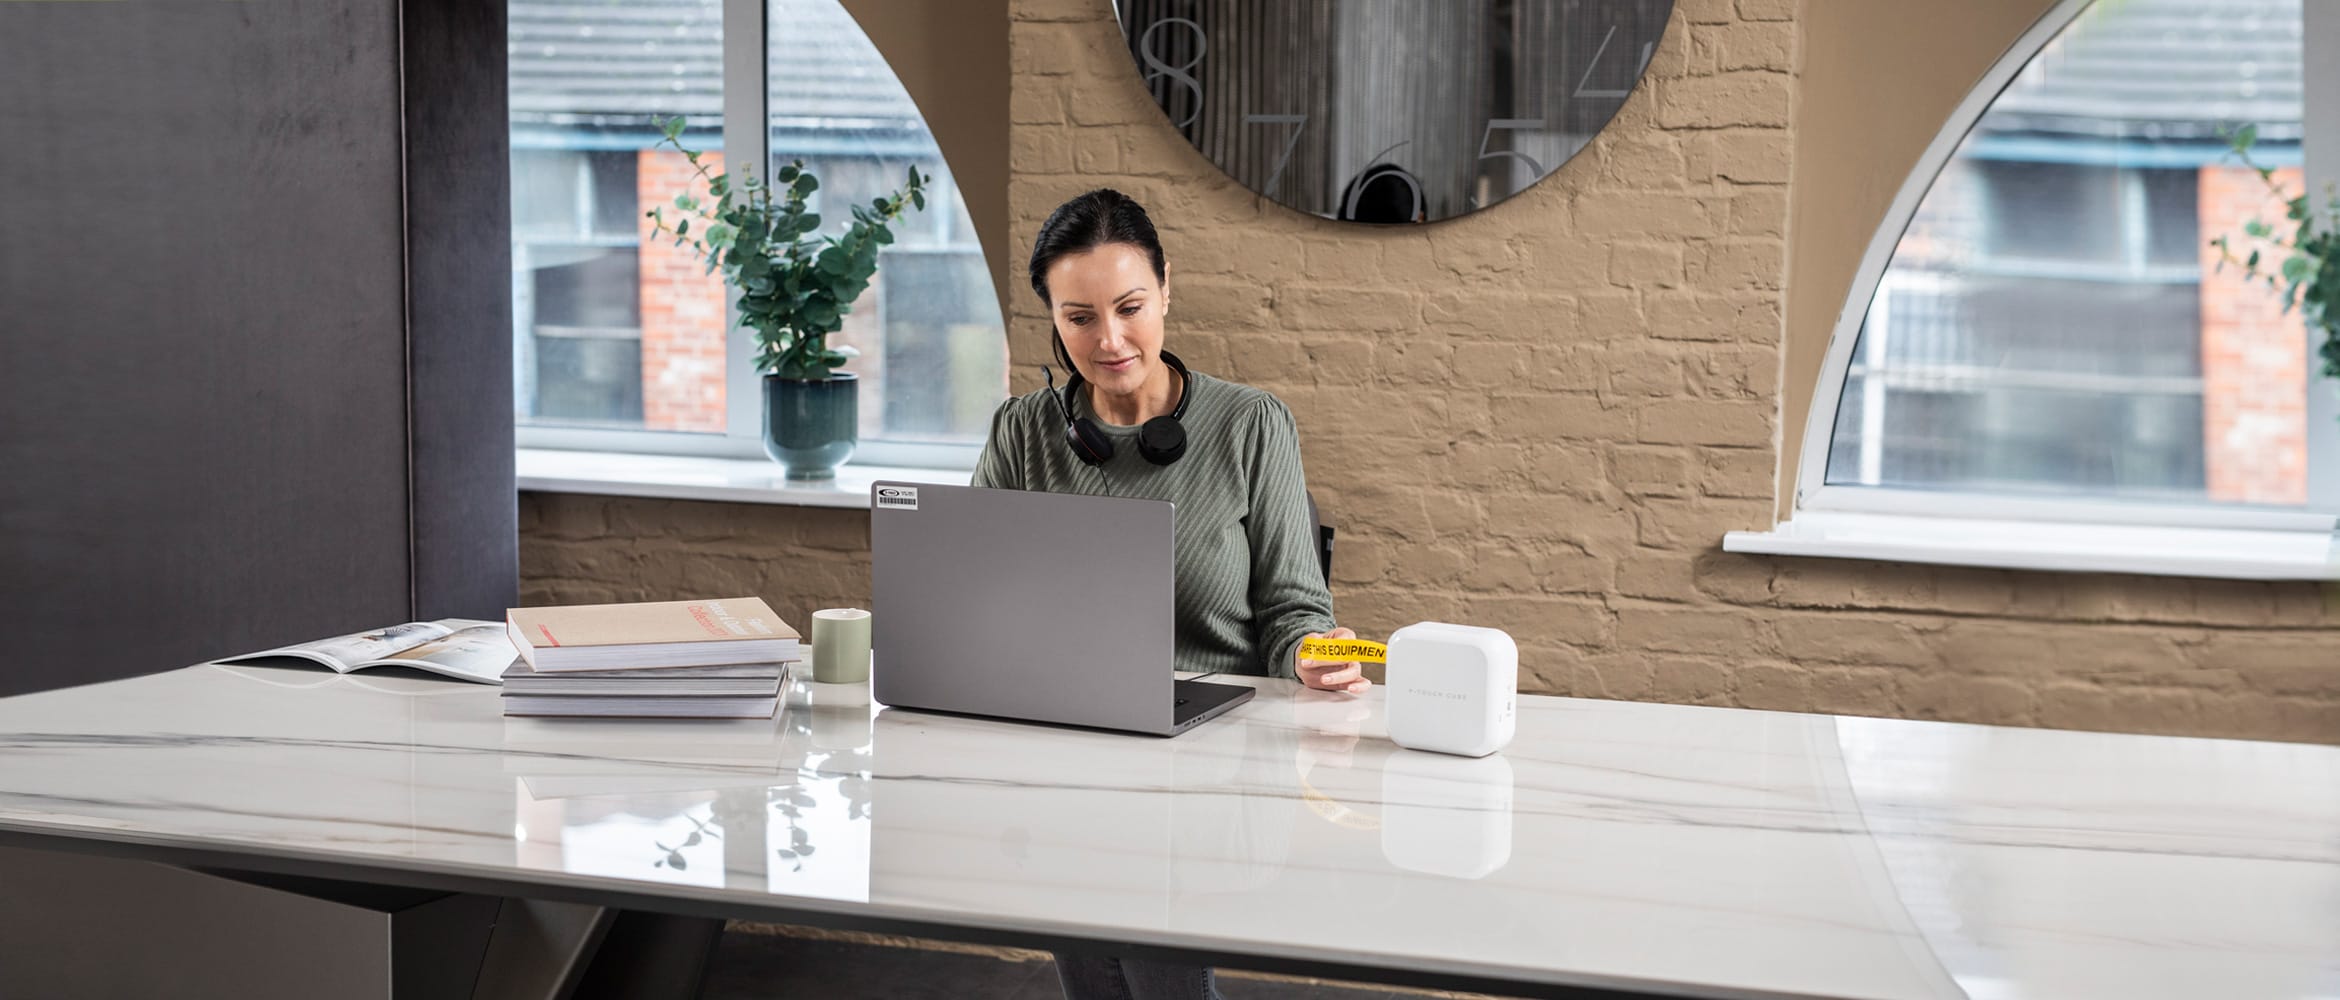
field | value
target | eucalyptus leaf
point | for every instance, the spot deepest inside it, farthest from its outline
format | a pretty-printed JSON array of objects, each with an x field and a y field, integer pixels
[{"x": 792, "y": 286}]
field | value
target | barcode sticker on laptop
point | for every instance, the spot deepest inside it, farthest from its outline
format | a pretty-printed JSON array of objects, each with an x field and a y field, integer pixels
[{"x": 901, "y": 497}]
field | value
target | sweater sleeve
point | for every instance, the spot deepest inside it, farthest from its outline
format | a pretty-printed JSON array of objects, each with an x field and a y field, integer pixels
[
  {"x": 999, "y": 467},
  {"x": 1289, "y": 598}
]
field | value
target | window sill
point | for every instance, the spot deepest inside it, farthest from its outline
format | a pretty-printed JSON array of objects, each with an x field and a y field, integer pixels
[
  {"x": 2228, "y": 553},
  {"x": 685, "y": 477}
]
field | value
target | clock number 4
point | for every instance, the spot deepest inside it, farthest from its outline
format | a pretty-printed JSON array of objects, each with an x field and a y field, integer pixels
[{"x": 1647, "y": 49}]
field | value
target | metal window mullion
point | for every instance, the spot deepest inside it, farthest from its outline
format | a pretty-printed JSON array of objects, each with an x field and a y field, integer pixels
[
  {"x": 1873, "y": 339},
  {"x": 2320, "y": 153},
  {"x": 523, "y": 331},
  {"x": 582, "y": 199},
  {"x": 747, "y": 142}
]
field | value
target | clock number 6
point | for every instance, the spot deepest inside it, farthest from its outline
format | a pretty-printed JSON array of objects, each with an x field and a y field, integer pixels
[{"x": 1357, "y": 185}]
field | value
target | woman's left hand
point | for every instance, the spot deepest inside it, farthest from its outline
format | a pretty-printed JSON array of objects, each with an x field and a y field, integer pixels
[{"x": 1330, "y": 675}]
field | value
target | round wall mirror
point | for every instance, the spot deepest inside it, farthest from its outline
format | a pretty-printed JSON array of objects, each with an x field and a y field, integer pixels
[{"x": 1390, "y": 111}]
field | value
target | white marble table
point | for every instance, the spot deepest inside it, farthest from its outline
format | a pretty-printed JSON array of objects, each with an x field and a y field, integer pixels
[{"x": 1614, "y": 847}]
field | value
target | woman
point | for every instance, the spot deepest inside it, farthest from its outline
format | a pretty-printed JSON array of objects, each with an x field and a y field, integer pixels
[{"x": 1132, "y": 421}]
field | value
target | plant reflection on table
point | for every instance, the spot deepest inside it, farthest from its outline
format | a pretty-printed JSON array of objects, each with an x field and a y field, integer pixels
[
  {"x": 706, "y": 828},
  {"x": 790, "y": 801},
  {"x": 834, "y": 721}
]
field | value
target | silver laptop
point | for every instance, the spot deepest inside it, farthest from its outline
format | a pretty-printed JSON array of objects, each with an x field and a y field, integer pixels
[{"x": 1044, "y": 607}]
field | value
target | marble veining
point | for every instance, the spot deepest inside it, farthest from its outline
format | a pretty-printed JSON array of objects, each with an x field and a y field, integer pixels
[{"x": 1685, "y": 850}]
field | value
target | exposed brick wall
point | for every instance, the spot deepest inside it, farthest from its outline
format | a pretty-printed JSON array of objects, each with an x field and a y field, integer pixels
[
  {"x": 1543, "y": 418},
  {"x": 578, "y": 549},
  {"x": 682, "y": 306},
  {"x": 2254, "y": 357}
]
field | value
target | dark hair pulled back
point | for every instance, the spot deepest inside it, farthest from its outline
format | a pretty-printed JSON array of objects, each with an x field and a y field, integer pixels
[{"x": 1102, "y": 217}]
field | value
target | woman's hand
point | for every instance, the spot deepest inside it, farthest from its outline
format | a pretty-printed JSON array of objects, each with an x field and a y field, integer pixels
[{"x": 1330, "y": 675}]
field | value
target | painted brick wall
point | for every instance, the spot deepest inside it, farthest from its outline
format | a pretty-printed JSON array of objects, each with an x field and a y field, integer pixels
[{"x": 1543, "y": 418}]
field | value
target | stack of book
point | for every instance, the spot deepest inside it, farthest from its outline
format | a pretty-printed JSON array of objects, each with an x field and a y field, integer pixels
[{"x": 717, "y": 659}]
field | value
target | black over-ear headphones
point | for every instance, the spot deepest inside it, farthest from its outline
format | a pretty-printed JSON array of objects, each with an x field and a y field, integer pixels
[{"x": 1161, "y": 440}]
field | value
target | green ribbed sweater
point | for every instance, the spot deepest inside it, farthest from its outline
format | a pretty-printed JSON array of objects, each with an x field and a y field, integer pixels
[{"x": 1249, "y": 585}]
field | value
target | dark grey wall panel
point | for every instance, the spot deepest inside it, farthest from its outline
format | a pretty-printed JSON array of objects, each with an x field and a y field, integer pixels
[
  {"x": 204, "y": 339},
  {"x": 459, "y": 208}
]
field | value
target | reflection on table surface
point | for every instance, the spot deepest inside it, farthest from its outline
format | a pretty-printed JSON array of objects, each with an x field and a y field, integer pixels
[{"x": 1801, "y": 854}]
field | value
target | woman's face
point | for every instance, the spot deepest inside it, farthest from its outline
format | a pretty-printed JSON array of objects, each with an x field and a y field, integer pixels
[{"x": 1108, "y": 307}]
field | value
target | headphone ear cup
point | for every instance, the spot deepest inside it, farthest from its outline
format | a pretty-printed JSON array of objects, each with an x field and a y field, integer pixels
[
  {"x": 1162, "y": 440},
  {"x": 1088, "y": 443}
]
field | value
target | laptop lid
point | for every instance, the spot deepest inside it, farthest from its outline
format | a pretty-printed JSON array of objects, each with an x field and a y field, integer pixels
[{"x": 1052, "y": 607}]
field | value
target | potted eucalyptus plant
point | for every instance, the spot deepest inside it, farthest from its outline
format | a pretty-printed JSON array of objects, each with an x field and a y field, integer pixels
[
  {"x": 2298, "y": 259},
  {"x": 794, "y": 288}
]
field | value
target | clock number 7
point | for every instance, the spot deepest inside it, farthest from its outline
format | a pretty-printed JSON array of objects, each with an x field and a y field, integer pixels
[{"x": 1299, "y": 124}]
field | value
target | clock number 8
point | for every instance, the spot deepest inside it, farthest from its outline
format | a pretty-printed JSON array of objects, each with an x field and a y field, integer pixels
[{"x": 1157, "y": 69}]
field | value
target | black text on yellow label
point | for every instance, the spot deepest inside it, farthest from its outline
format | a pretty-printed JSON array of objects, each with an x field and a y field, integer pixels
[{"x": 1359, "y": 650}]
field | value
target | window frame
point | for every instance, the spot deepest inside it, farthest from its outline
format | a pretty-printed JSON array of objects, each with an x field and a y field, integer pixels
[
  {"x": 2321, "y": 154},
  {"x": 747, "y": 139}
]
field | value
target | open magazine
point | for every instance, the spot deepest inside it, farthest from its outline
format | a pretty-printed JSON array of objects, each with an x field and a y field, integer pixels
[{"x": 463, "y": 648}]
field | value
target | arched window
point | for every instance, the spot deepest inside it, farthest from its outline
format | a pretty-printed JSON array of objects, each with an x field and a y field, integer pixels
[
  {"x": 620, "y": 343},
  {"x": 2042, "y": 331}
]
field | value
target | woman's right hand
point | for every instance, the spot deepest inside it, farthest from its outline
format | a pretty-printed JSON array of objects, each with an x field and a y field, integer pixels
[{"x": 1330, "y": 675}]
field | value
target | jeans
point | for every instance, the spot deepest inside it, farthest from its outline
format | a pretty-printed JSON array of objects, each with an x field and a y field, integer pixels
[{"x": 1103, "y": 977}]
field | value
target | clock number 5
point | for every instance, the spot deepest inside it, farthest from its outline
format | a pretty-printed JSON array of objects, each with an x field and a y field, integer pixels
[
  {"x": 1536, "y": 170},
  {"x": 1299, "y": 124}
]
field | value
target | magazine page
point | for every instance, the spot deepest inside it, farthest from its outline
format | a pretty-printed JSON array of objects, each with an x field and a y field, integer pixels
[
  {"x": 345, "y": 652},
  {"x": 478, "y": 651}
]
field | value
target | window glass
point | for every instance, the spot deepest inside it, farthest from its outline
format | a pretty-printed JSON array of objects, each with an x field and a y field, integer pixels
[
  {"x": 612, "y": 330},
  {"x": 608, "y": 331},
  {"x": 2053, "y": 320},
  {"x": 933, "y": 358}
]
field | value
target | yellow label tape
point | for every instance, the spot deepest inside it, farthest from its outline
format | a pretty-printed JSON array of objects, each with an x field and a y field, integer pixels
[{"x": 1359, "y": 650}]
